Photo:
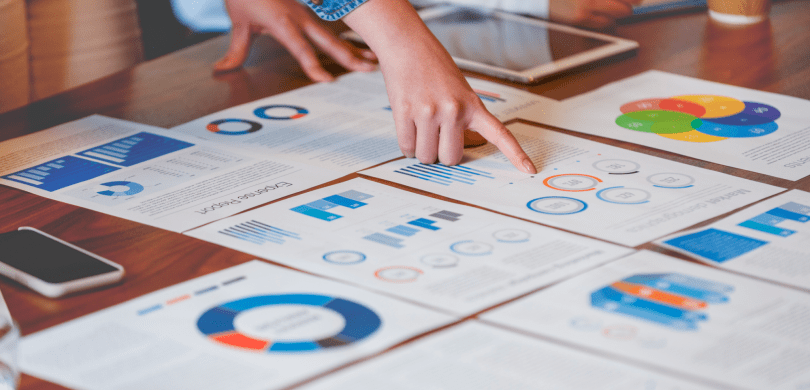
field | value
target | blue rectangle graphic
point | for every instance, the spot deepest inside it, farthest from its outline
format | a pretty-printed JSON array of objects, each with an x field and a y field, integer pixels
[
  {"x": 66, "y": 171},
  {"x": 403, "y": 230},
  {"x": 716, "y": 245},
  {"x": 315, "y": 213},
  {"x": 775, "y": 230},
  {"x": 345, "y": 202},
  {"x": 424, "y": 223},
  {"x": 787, "y": 214},
  {"x": 355, "y": 195},
  {"x": 142, "y": 147},
  {"x": 385, "y": 240}
]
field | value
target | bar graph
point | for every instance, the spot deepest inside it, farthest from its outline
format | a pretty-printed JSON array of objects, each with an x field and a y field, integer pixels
[
  {"x": 60, "y": 173},
  {"x": 385, "y": 240},
  {"x": 259, "y": 233},
  {"x": 671, "y": 300},
  {"x": 135, "y": 149},
  {"x": 768, "y": 222},
  {"x": 318, "y": 209},
  {"x": 444, "y": 174},
  {"x": 410, "y": 228},
  {"x": 446, "y": 215},
  {"x": 424, "y": 223}
]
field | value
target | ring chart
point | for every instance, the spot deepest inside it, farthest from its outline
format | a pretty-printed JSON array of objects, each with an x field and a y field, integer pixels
[
  {"x": 132, "y": 188},
  {"x": 215, "y": 127},
  {"x": 282, "y": 112},
  {"x": 699, "y": 118},
  {"x": 218, "y": 323},
  {"x": 557, "y": 205}
]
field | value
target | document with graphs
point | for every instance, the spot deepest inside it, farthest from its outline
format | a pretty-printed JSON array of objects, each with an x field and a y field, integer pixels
[
  {"x": 147, "y": 174},
  {"x": 769, "y": 240},
  {"x": 739, "y": 127},
  {"x": 451, "y": 257},
  {"x": 682, "y": 317},
  {"x": 583, "y": 186},
  {"x": 251, "y": 326},
  {"x": 346, "y": 125},
  {"x": 475, "y": 355}
]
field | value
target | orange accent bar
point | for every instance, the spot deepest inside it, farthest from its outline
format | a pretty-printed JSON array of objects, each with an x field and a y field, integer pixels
[
  {"x": 296, "y": 116},
  {"x": 178, "y": 299},
  {"x": 212, "y": 128},
  {"x": 659, "y": 296},
  {"x": 241, "y": 341}
]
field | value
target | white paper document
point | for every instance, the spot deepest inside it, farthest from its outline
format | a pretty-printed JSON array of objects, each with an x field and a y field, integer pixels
[
  {"x": 770, "y": 240},
  {"x": 344, "y": 126},
  {"x": 455, "y": 258},
  {"x": 475, "y": 356},
  {"x": 583, "y": 186},
  {"x": 252, "y": 326},
  {"x": 744, "y": 128},
  {"x": 148, "y": 174},
  {"x": 677, "y": 316}
]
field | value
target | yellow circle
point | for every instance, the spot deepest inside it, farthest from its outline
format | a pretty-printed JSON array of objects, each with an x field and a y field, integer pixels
[
  {"x": 693, "y": 136},
  {"x": 716, "y": 106}
]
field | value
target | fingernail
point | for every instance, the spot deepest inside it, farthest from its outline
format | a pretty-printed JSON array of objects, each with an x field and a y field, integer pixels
[{"x": 529, "y": 166}]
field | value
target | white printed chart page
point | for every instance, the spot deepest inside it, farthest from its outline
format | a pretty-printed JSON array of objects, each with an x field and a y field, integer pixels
[
  {"x": 346, "y": 125},
  {"x": 455, "y": 258},
  {"x": 252, "y": 326},
  {"x": 475, "y": 355},
  {"x": 147, "y": 174},
  {"x": 678, "y": 316},
  {"x": 769, "y": 240},
  {"x": 584, "y": 186},
  {"x": 744, "y": 128}
]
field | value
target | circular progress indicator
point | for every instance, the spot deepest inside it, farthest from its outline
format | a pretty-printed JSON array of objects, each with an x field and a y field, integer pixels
[
  {"x": 280, "y": 112},
  {"x": 511, "y": 235},
  {"x": 617, "y": 167},
  {"x": 699, "y": 118},
  {"x": 573, "y": 182},
  {"x": 123, "y": 188},
  {"x": 622, "y": 195},
  {"x": 344, "y": 257},
  {"x": 398, "y": 274},
  {"x": 471, "y": 248},
  {"x": 557, "y": 205},
  {"x": 243, "y": 127},
  {"x": 671, "y": 180},
  {"x": 218, "y": 323}
]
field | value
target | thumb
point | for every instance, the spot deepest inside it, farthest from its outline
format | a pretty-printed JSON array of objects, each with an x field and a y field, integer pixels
[
  {"x": 495, "y": 132},
  {"x": 238, "y": 49}
]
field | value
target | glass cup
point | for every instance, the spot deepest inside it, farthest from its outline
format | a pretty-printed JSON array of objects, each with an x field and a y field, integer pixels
[
  {"x": 9, "y": 339},
  {"x": 739, "y": 11}
]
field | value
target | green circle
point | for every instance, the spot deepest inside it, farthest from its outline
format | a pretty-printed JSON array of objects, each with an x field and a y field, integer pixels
[
  {"x": 662, "y": 116},
  {"x": 672, "y": 127},
  {"x": 634, "y": 124}
]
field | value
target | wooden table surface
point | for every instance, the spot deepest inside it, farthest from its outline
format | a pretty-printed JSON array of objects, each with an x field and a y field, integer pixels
[{"x": 771, "y": 56}]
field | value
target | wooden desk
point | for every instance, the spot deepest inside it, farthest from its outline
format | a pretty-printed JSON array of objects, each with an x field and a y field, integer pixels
[{"x": 772, "y": 56}]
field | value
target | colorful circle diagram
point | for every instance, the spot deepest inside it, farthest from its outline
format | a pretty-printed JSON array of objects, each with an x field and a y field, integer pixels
[
  {"x": 216, "y": 127},
  {"x": 123, "y": 188},
  {"x": 220, "y": 323},
  {"x": 281, "y": 111},
  {"x": 699, "y": 118}
]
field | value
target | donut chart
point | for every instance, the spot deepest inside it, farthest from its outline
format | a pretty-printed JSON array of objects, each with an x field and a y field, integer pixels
[
  {"x": 218, "y": 323},
  {"x": 282, "y": 112},
  {"x": 699, "y": 118},
  {"x": 214, "y": 127},
  {"x": 132, "y": 188}
]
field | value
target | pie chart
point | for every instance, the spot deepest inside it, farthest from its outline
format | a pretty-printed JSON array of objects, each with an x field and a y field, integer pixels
[
  {"x": 221, "y": 323},
  {"x": 699, "y": 118},
  {"x": 124, "y": 188}
]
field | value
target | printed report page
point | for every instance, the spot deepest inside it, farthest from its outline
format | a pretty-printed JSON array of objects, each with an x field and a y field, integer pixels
[
  {"x": 251, "y": 326},
  {"x": 769, "y": 240},
  {"x": 147, "y": 174},
  {"x": 455, "y": 258},
  {"x": 678, "y": 316},
  {"x": 476, "y": 356},
  {"x": 583, "y": 186},
  {"x": 743, "y": 128}
]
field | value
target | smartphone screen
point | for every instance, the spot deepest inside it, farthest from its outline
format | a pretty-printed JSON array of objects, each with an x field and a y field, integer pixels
[{"x": 46, "y": 259}]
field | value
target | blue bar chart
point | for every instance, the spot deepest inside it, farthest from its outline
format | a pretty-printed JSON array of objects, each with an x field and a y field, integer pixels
[
  {"x": 768, "y": 222},
  {"x": 445, "y": 175},
  {"x": 411, "y": 228},
  {"x": 318, "y": 209},
  {"x": 259, "y": 233},
  {"x": 60, "y": 173},
  {"x": 135, "y": 149}
]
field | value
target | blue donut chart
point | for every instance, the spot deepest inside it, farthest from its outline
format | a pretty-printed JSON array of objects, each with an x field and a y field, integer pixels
[
  {"x": 214, "y": 126},
  {"x": 580, "y": 205},
  {"x": 218, "y": 323},
  {"x": 261, "y": 112},
  {"x": 134, "y": 188}
]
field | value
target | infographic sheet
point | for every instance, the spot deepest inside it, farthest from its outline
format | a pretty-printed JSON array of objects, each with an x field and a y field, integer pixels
[
  {"x": 770, "y": 240},
  {"x": 148, "y": 174},
  {"x": 678, "y": 316},
  {"x": 584, "y": 186},
  {"x": 345, "y": 126},
  {"x": 474, "y": 355},
  {"x": 744, "y": 128},
  {"x": 252, "y": 326},
  {"x": 455, "y": 258}
]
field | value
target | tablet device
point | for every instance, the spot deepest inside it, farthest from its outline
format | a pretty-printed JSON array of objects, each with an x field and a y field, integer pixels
[{"x": 514, "y": 47}]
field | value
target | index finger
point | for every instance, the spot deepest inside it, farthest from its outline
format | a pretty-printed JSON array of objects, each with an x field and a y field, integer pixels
[{"x": 494, "y": 131}]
